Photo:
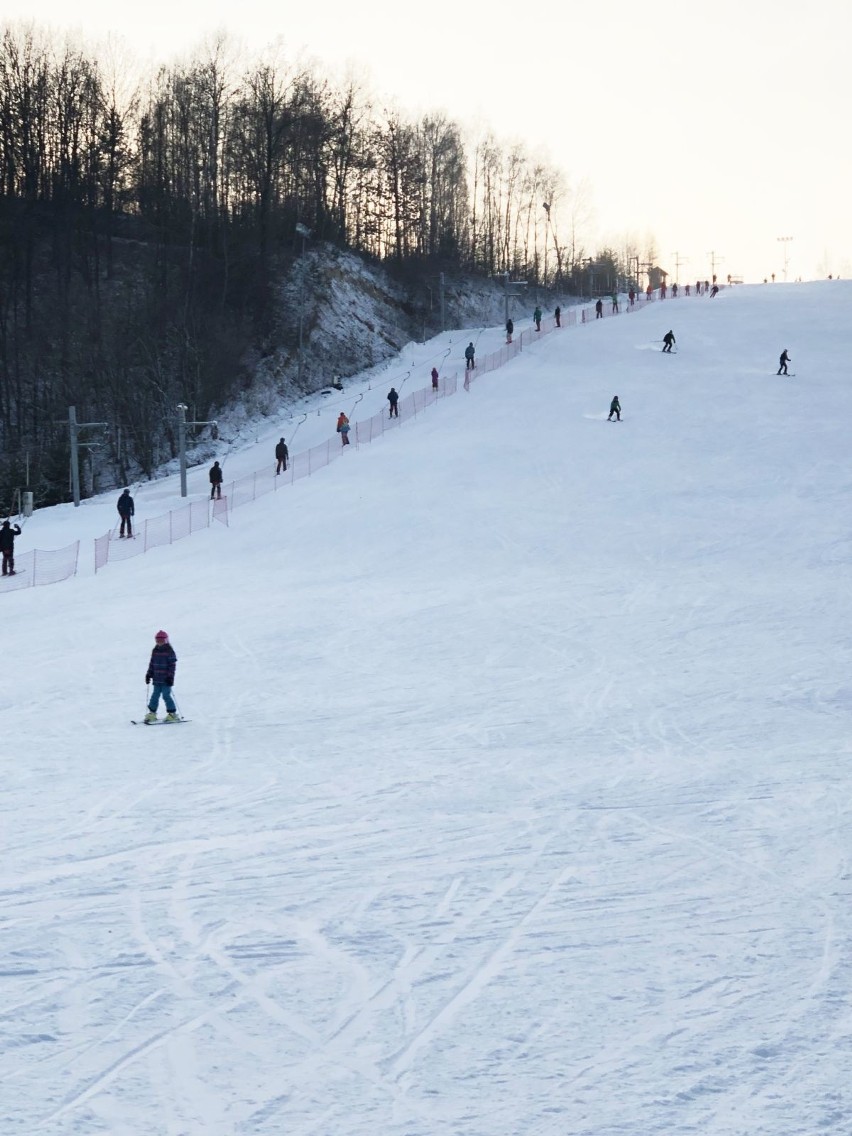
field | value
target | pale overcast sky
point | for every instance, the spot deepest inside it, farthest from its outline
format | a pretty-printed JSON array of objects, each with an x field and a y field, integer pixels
[{"x": 716, "y": 127}]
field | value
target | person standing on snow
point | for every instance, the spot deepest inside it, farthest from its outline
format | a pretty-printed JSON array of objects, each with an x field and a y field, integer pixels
[
  {"x": 469, "y": 353},
  {"x": 434, "y": 378},
  {"x": 282, "y": 455},
  {"x": 557, "y": 315},
  {"x": 668, "y": 341},
  {"x": 126, "y": 510},
  {"x": 599, "y": 310},
  {"x": 7, "y": 546},
  {"x": 343, "y": 428},
  {"x": 393, "y": 399},
  {"x": 614, "y": 408},
  {"x": 215, "y": 481},
  {"x": 537, "y": 318},
  {"x": 510, "y": 330},
  {"x": 782, "y": 363},
  {"x": 161, "y": 672}
]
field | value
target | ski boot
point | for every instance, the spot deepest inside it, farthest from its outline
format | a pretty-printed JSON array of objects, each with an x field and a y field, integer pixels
[
  {"x": 150, "y": 717},
  {"x": 172, "y": 716}
]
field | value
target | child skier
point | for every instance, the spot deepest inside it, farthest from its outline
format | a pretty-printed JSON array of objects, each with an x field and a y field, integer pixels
[{"x": 161, "y": 672}]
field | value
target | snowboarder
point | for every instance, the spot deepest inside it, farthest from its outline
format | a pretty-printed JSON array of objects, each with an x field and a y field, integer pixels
[
  {"x": 537, "y": 318},
  {"x": 668, "y": 341},
  {"x": 161, "y": 672},
  {"x": 7, "y": 546},
  {"x": 126, "y": 510},
  {"x": 343, "y": 428},
  {"x": 282, "y": 456},
  {"x": 434, "y": 378},
  {"x": 469, "y": 353},
  {"x": 393, "y": 399},
  {"x": 782, "y": 363},
  {"x": 215, "y": 481},
  {"x": 599, "y": 310},
  {"x": 614, "y": 408},
  {"x": 557, "y": 315},
  {"x": 510, "y": 330}
]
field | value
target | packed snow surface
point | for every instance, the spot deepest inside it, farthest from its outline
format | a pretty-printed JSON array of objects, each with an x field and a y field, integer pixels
[{"x": 516, "y": 795}]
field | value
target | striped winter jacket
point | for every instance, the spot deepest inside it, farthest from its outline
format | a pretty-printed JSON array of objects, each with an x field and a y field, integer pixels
[{"x": 161, "y": 669}]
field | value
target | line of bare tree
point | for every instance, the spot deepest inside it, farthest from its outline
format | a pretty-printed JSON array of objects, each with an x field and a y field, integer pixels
[{"x": 144, "y": 223}]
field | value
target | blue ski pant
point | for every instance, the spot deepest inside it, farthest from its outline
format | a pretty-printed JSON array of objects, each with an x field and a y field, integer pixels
[{"x": 154, "y": 701}]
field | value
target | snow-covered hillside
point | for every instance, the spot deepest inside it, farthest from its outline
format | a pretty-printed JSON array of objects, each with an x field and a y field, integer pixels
[{"x": 516, "y": 795}]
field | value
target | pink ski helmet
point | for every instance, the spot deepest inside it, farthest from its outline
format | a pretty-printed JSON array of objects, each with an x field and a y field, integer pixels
[{"x": 161, "y": 637}]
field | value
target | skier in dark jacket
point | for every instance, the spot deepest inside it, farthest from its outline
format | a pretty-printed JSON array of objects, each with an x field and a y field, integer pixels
[
  {"x": 7, "y": 546},
  {"x": 126, "y": 510},
  {"x": 782, "y": 363},
  {"x": 557, "y": 315},
  {"x": 537, "y": 318},
  {"x": 599, "y": 310},
  {"x": 282, "y": 456},
  {"x": 469, "y": 353},
  {"x": 393, "y": 400},
  {"x": 161, "y": 672},
  {"x": 614, "y": 408},
  {"x": 668, "y": 341},
  {"x": 510, "y": 330},
  {"x": 215, "y": 481}
]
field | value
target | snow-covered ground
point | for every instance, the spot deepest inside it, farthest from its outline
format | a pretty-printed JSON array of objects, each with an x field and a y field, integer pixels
[{"x": 516, "y": 797}]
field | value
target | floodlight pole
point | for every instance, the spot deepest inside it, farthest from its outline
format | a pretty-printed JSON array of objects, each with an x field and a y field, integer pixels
[{"x": 785, "y": 242}]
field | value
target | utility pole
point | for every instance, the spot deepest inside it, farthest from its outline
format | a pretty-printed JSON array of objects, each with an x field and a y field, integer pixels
[
  {"x": 305, "y": 233},
  {"x": 678, "y": 263},
  {"x": 785, "y": 242},
  {"x": 182, "y": 425},
  {"x": 713, "y": 258},
  {"x": 74, "y": 427},
  {"x": 546, "y": 207},
  {"x": 443, "y": 315}
]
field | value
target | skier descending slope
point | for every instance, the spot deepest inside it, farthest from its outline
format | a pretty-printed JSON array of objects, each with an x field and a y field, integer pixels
[{"x": 161, "y": 672}]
